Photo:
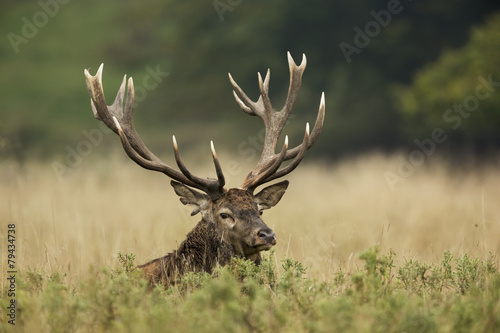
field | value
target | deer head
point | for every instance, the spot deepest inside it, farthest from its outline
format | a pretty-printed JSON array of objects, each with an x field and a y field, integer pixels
[{"x": 236, "y": 213}]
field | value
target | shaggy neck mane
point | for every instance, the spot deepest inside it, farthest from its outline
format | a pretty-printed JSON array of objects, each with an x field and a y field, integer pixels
[{"x": 203, "y": 249}]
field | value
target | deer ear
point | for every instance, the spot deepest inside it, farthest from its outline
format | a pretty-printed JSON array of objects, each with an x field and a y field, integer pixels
[
  {"x": 189, "y": 196},
  {"x": 271, "y": 195}
]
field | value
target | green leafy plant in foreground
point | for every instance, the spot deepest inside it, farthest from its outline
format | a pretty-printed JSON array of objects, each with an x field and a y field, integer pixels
[
  {"x": 453, "y": 295},
  {"x": 126, "y": 261}
]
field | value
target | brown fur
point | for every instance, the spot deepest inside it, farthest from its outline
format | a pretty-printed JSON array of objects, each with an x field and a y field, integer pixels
[
  {"x": 202, "y": 251},
  {"x": 217, "y": 238}
]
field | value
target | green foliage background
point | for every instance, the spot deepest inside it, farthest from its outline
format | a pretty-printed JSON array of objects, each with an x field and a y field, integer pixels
[{"x": 392, "y": 92}]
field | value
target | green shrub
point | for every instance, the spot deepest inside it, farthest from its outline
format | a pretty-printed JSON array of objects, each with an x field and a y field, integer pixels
[{"x": 453, "y": 295}]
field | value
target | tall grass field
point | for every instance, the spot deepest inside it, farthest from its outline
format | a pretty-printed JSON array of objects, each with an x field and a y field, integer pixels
[{"x": 354, "y": 253}]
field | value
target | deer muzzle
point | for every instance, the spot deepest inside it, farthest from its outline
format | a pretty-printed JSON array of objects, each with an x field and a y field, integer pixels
[{"x": 267, "y": 235}]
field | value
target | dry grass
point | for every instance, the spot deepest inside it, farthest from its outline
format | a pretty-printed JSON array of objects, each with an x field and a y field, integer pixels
[{"x": 328, "y": 215}]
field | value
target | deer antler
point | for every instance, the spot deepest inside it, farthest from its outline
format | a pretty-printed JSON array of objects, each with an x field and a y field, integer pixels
[
  {"x": 268, "y": 167},
  {"x": 119, "y": 119}
]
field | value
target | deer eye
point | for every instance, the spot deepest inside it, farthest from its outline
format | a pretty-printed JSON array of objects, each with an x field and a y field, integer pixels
[{"x": 225, "y": 216}]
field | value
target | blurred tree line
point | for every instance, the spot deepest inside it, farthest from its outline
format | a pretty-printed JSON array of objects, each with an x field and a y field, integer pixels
[{"x": 390, "y": 71}]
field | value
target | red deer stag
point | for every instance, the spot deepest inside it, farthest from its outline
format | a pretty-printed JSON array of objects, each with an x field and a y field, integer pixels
[{"x": 231, "y": 224}]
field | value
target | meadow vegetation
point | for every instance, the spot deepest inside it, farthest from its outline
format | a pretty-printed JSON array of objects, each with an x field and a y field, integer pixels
[{"x": 352, "y": 254}]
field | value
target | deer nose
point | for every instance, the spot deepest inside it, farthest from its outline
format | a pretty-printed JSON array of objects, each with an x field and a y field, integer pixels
[{"x": 267, "y": 235}]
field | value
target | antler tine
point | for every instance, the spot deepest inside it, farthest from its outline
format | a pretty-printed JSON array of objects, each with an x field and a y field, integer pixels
[
  {"x": 264, "y": 97},
  {"x": 274, "y": 121},
  {"x": 94, "y": 86},
  {"x": 119, "y": 119},
  {"x": 106, "y": 113},
  {"x": 290, "y": 167},
  {"x": 218, "y": 168},
  {"x": 299, "y": 152},
  {"x": 214, "y": 187},
  {"x": 241, "y": 98},
  {"x": 181, "y": 165},
  {"x": 295, "y": 83},
  {"x": 267, "y": 171},
  {"x": 128, "y": 111},
  {"x": 318, "y": 126},
  {"x": 146, "y": 164}
]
